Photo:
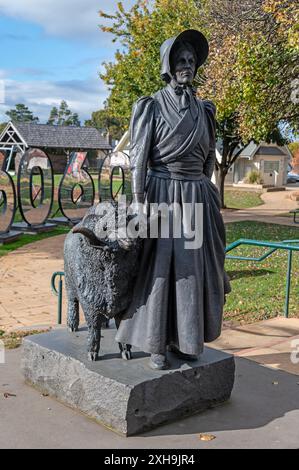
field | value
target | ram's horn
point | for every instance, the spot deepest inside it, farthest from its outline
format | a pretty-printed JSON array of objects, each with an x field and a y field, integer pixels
[{"x": 93, "y": 239}]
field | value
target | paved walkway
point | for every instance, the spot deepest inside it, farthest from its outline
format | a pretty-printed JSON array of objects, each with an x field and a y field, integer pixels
[
  {"x": 273, "y": 343},
  {"x": 25, "y": 293},
  {"x": 263, "y": 412},
  {"x": 275, "y": 204}
]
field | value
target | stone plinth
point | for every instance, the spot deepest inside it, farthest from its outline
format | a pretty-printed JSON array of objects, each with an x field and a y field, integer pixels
[
  {"x": 9, "y": 237},
  {"x": 33, "y": 229},
  {"x": 126, "y": 396}
]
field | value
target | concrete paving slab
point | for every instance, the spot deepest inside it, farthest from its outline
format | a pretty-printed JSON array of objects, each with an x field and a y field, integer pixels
[
  {"x": 234, "y": 341},
  {"x": 257, "y": 335},
  {"x": 275, "y": 327},
  {"x": 274, "y": 359},
  {"x": 260, "y": 414}
]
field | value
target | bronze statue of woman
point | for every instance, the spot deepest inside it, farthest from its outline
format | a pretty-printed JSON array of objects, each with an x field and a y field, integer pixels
[{"x": 179, "y": 293}]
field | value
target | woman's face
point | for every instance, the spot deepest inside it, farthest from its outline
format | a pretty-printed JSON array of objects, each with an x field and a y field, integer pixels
[{"x": 184, "y": 66}]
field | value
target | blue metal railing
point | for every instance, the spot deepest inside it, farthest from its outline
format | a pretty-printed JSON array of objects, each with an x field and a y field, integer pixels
[
  {"x": 58, "y": 293},
  {"x": 284, "y": 245}
]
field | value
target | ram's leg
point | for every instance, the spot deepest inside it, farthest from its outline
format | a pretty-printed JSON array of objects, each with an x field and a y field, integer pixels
[
  {"x": 73, "y": 314},
  {"x": 125, "y": 349},
  {"x": 94, "y": 323}
]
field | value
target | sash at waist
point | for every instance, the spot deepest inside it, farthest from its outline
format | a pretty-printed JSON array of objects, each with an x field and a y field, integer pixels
[{"x": 164, "y": 172}]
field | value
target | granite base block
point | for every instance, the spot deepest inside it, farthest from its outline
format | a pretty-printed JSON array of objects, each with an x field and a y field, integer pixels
[
  {"x": 126, "y": 396},
  {"x": 34, "y": 229},
  {"x": 10, "y": 237}
]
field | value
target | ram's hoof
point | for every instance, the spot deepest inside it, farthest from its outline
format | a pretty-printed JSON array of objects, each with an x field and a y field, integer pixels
[
  {"x": 73, "y": 329},
  {"x": 126, "y": 355},
  {"x": 93, "y": 356}
]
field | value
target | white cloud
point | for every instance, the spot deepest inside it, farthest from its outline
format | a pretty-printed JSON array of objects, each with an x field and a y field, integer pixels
[
  {"x": 64, "y": 18},
  {"x": 82, "y": 96}
]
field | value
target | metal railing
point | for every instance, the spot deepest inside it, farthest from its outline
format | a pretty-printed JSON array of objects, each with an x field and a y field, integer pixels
[
  {"x": 283, "y": 245},
  {"x": 295, "y": 213},
  {"x": 58, "y": 293}
]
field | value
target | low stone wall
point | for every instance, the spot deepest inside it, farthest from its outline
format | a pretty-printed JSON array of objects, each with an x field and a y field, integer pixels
[{"x": 257, "y": 187}]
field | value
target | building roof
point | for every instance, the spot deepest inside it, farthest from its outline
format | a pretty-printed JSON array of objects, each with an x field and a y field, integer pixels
[
  {"x": 249, "y": 150},
  {"x": 44, "y": 135},
  {"x": 253, "y": 149},
  {"x": 263, "y": 150}
]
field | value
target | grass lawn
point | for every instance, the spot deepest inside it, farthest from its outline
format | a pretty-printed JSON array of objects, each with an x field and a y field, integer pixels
[
  {"x": 14, "y": 339},
  {"x": 258, "y": 288},
  {"x": 25, "y": 239},
  {"x": 236, "y": 199}
]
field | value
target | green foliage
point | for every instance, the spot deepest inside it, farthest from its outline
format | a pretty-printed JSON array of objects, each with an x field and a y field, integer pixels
[
  {"x": 249, "y": 73},
  {"x": 286, "y": 14},
  {"x": 63, "y": 116},
  {"x": 2, "y": 126},
  {"x": 25, "y": 239},
  {"x": 103, "y": 121},
  {"x": 254, "y": 177},
  {"x": 294, "y": 147},
  {"x": 21, "y": 113},
  {"x": 141, "y": 31},
  {"x": 265, "y": 89},
  {"x": 251, "y": 69}
]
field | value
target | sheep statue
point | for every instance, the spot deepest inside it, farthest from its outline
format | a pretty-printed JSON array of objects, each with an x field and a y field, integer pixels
[{"x": 100, "y": 267}]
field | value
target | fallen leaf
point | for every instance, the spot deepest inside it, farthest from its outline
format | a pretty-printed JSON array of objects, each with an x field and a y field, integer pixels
[
  {"x": 275, "y": 383},
  {"x": 8, "y": 395},
  {"x": 206, "y": 437},
  {"x": 45, "y": 394}
]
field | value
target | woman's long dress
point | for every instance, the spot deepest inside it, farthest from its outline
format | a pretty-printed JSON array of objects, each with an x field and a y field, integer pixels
[{"x": 179, "y": 294}]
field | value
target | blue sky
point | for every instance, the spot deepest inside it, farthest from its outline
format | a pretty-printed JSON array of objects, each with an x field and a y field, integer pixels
[{"x": 53, "y": 50}]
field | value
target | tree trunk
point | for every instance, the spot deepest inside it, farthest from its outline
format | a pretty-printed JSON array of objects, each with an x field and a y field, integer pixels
[{"x": 222, "y": 175}]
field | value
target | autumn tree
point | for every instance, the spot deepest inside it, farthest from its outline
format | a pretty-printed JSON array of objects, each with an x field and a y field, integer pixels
[
  {"x": 63, "y": 116},
  {"x": 286, "y": 15},
  {"x": 21, "y": 113},
  {"x": 249, "y": 76},
  {"x": 141, "y": 31},
  {"x": 294, "y": 148},
  {"x": 249, "y": 73},
  {"x": 103, "y": 121}
]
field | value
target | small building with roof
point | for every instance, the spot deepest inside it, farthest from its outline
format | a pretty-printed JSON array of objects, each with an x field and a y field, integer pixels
[
  {"x": 57, "y": 141},
  {"x": 270, "y": 160}
]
